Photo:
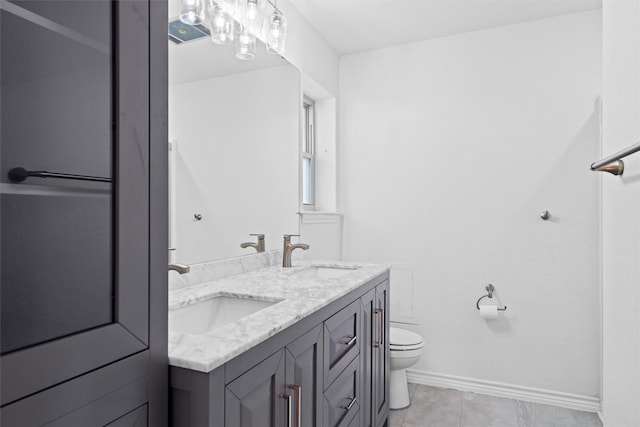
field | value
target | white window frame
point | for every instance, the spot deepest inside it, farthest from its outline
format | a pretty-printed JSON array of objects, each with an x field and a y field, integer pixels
[{"x": 308, "y": 152}]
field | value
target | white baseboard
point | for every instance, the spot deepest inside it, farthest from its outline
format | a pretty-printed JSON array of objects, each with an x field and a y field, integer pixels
[{"x": 510, "y": 391}]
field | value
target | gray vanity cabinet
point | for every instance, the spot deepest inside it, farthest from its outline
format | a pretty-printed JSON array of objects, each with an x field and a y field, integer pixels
[{"x": 330, "y": 369}]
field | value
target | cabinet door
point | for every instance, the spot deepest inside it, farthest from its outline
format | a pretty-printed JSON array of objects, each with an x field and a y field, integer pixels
[
  {"x": 256, "y": 398},
  {"x": 380, "y": 371},
  {"x": 304, "y": 378},
  {"x": 74, "y": 263},
  {"x": 366, "y": 355}
]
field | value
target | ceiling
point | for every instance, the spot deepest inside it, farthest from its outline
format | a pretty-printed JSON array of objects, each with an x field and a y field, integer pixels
[
  {"x": 202, "y": 59},
  {"x": 351, "y": 26}
]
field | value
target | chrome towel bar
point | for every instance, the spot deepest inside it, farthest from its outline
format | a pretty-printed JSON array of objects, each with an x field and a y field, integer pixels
[{"x": 612, "y": 163}]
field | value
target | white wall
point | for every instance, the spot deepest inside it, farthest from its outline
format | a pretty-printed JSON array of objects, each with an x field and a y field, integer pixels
[
  {"x": 323, "y": 232},
  {"x": 449, "y": 150},
  {"x": 308, "y": 51},
  {"x": 237, "y": 151},
  {"x": 621, "y": 215},
  {"x": 318, "y": 64}
]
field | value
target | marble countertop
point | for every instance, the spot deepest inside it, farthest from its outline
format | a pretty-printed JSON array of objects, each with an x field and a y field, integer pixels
[{"x": 298, "y": 297}]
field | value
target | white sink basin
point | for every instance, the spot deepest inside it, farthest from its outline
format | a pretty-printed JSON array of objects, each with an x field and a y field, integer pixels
[
  {"x": 213, "y": 313},
  {"x": 323, "y": 272}
]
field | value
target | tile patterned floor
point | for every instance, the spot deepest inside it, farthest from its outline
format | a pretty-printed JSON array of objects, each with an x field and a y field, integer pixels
[{"x": 439, "y": 407}]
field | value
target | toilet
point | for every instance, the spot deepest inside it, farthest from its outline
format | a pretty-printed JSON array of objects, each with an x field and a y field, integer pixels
[{"x": 405, "y": 349}]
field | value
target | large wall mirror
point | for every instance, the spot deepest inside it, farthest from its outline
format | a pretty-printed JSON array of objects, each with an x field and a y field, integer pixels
[{"x": 233, "y": 134}]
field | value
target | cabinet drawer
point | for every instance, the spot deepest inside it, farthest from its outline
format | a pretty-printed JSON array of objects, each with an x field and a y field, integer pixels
[
  {"x": 341, "y": 404},
  {"x": 341, "y": 341}
]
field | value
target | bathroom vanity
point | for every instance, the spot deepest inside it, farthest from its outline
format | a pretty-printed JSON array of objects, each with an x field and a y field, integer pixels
[{"x": 313, "y": 351}]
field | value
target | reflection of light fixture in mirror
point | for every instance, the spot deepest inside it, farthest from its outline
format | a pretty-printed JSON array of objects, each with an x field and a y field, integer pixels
[
  {"x": 192, "y": 12},
  {"x": 221, "y": 25},
  {"x": 225, "y": 16},
  {"x": 276, "y": 33},
  {"x": 245, "y": 44},
  {"x": 252, "y": 14}
]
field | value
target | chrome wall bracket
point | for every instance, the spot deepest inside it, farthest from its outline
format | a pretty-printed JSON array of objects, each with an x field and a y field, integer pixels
[
  {"x": 612, "y": 163},
  {"x": 616, "y": 167}
]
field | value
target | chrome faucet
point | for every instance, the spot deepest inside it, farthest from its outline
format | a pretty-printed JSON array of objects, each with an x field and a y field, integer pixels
[
  {"x": 288, "y": 248},
  {"x": 180, "y": 268},
  {"x": 259, "y": 246}
]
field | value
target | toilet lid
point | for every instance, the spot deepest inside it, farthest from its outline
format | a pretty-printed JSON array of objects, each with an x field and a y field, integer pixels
[{"x": 402, "y": 339}]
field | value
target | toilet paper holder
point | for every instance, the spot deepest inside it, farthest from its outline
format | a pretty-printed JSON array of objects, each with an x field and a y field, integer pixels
[{"x": 490, "y": 289}]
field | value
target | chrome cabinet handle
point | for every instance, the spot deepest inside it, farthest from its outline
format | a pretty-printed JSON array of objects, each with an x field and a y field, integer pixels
[
  {"x": 350, "y": 342},
  {"x": 298, "y": 391},
  {"x": 379, "y": 313},
  {"x": 289, "y": 399},
  {"x": 289, "y": 410},
  {"x": 350, "y": 405}
]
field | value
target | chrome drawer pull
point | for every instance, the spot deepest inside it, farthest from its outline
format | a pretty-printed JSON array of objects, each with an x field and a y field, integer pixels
[
  {"x": 350, "y": 405},
  {"x": 379, "y": 312},
  {"x": 351, "y": 341}
]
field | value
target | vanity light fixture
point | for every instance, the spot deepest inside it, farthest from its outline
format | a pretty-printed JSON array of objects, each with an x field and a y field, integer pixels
[{"x": 242, "y": 21}]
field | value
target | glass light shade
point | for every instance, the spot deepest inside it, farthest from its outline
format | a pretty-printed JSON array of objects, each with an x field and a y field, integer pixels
[
  {"x": 276, "y": 33},
  {"x": 229, "y": 6},
  {"x": 251, "y": 14},
  {"x": 221, "y": 25},
  {"x": 245, "y": 44},
  {"x": 192, "y": 12}
]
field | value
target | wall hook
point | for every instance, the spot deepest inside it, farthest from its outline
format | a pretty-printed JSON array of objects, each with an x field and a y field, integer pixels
[
  {"x": 545, "y": 215},
  {"x": 197, "y": 216}
]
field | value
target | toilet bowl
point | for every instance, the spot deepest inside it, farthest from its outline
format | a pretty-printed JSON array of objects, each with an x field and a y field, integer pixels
[{"x": 405, "y": 350}]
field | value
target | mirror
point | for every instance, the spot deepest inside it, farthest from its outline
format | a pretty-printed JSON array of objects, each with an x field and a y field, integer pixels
[{"x": 233, "y": 133}]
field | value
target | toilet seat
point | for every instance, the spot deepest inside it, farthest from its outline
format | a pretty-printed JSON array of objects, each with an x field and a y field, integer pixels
[{"x": 403, "y": 340}]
